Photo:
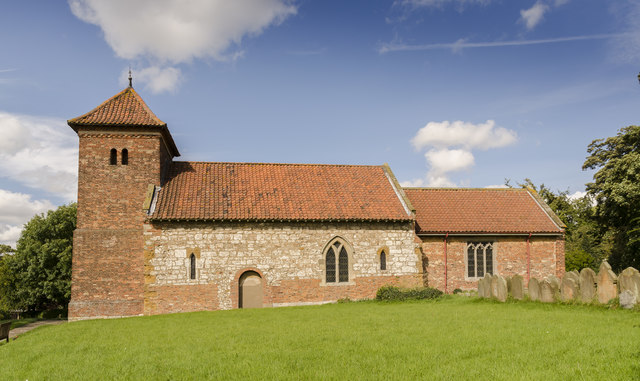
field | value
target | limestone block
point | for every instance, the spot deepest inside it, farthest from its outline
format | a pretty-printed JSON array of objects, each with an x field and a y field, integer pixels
[
  {"x": 607, "y": 288},
  {"x": 628, "y": 299},
  {"x": 517, "y": 287},
  {"x": 569, "y": 288},
  {"x": 629, "y": 280},
  {"x": 587, "y": 285},
  {"x": 548, "y": 290},
  {"x": 499, "y": 288},
  {"x": 534, "y": 289}
]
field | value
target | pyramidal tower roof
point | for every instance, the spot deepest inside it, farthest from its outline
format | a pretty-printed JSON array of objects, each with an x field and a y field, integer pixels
[{"x": 125, "y": 109}]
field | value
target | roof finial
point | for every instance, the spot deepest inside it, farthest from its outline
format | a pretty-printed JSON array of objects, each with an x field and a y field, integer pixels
[{"x": 130, "y": 78}]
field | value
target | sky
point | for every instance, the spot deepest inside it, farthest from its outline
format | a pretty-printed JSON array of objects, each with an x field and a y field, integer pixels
[{"x": 449, "y": 93}]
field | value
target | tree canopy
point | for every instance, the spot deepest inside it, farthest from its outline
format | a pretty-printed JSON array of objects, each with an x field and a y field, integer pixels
[
  {"x": 38, "y": 275},
  {"x": 616, "y": 190}
]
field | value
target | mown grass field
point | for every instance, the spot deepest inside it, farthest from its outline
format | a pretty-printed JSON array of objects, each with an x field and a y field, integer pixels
[{"x": 454, "y": 338}]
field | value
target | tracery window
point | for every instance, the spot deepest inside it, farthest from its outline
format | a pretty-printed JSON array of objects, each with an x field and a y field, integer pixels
[
  {"x": 479, "y": 259},
  {"x": 337, "y": 258}
]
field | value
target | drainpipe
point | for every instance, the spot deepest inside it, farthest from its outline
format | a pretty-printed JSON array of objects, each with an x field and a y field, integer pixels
[
  {"x": 528, "y": 258},
  {"x": 446, "y": 282}
]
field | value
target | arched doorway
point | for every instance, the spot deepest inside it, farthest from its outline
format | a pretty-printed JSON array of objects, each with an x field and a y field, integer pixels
[{"x": 250, "y": 287}]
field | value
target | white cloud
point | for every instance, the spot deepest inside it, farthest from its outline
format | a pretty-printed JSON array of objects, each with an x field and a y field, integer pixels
[
  {"x": 532, "y": 16},
  {"x": 16, "y": 209},
  {"x": 170, "y": 32},
  {"x": 626, "y": 47},
  {"x": 463, "y": 134},
  {"x": 464, "y": 44},
  {"x": 576, "y": 195},
  {"x": 497, "y": 186},
  {"x": 450, "y": 146},
  {"x": 459, "y": 4},
  {"x": 412, "y": 183},
  {"x": 446, "y": 160},
  {"x": 40, "y": 153},
  {"x": 157, "y": 79}
]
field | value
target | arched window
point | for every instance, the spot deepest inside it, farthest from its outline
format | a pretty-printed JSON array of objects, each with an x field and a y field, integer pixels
[
  {"x": 125, "y": 156},
  {"x": 114, "y": 157},
  {"x": 192, "y": 269},
  {"x": 337, "y": 258},
  {"x": 479, "y": 259},
  {"x": 383, "y": 260}
]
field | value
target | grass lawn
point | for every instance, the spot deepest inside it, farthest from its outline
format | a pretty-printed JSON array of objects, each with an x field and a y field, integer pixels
[{"x": 454, "y": 338}]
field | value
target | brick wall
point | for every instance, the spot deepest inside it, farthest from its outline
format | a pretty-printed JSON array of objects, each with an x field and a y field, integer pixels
[
  {"x": 108, "y": 260},
  {"x": 289, "y": 258},
  {"x": 510, "y": 258}
]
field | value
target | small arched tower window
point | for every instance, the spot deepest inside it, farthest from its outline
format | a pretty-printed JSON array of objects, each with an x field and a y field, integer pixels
[
  {"x": 125, "y": 156},
  {"x": 192, "y": 268},
  {"x": 114, "y": 157},
  {"x": 383, "y": 260}
]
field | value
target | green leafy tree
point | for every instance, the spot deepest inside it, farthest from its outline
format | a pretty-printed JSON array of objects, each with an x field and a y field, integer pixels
[
  {"x": 38, "y": 276},
  {"x": 616, "y": 189},
  {"x": 585, "y": 244}
]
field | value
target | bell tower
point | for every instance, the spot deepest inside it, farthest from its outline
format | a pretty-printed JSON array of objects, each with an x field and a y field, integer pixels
[{"x": 124, "y": 152}]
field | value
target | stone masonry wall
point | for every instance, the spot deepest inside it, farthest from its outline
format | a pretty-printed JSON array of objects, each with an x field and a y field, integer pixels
[
  {"x": 510, "y": 258},
  {"x": 288, "y": 256}
]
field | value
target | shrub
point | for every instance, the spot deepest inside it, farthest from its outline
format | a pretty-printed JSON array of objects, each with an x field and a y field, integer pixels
[
  {"x": 457, "y": 291},
  {"x": 397, "y": 293}
]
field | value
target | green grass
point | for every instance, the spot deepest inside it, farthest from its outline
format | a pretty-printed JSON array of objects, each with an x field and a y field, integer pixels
[{"x": 454, "y": 338}]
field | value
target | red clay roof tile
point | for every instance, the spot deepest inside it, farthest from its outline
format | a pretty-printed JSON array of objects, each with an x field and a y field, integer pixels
[
  {"x": 123, "y": 109},
  {"x": 255, "y": 191},
  {"x": 480, "y": 211}
]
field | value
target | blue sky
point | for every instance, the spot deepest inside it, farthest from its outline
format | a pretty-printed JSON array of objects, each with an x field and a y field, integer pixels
[{"x": 448, "y": 92}]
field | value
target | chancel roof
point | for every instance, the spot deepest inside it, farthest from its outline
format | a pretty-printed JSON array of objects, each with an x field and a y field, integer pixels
[
  {"x": 482, "y": 211},
  {"x": 280, "y": 192}
]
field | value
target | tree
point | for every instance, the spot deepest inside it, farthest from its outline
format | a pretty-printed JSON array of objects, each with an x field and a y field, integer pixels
[
  {"x": 38, "y": 276},
  {"x": 616, "y": 189},
  {"x": 585, "y": 245}
]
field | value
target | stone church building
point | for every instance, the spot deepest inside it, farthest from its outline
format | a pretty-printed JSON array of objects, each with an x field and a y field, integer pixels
[{"x": 156, "y": 235}]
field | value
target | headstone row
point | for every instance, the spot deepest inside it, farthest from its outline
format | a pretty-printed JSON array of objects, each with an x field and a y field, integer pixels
[{"x": 585, "y": 286}]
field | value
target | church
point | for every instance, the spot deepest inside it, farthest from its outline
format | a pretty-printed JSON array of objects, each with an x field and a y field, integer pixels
[{"x": 156, "y": 235}]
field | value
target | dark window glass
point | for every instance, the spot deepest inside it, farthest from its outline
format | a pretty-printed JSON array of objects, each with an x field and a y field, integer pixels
[
  {"x": 192, "y": 273},
  {"x": 383, "y": 260},
  {"x": 114, "y": 157},
  {"x": 489, "y": 261},
  {"x": 331, "y": 266},
  {"x": 471, "y": 262},
  {"x": 480, "y": 261},
  {"x": 125, "y": 156},
  {"x": 343, "y": 265}
]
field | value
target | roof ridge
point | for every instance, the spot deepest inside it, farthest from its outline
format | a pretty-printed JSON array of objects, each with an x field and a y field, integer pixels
[
  {"x": 464, "y": 189},
  {"x": 281, "y": 164}
]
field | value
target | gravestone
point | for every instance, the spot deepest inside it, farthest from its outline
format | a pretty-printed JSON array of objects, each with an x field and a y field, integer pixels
[
  {"x": 499, "y": 288},
  {"x": 517, "y": 287},
  {"x": 607, "y": 288},
  {"x": 569, "y": 288},
  {"x": 629, "y": 280},
  {"x": 555, "y": 282},
  {"x": 548, "y": 290},
  {"x": 481, "y": 288},
  {"x": 486, "y": 286},
  {"x": 628, "y": 299},
  {"x": 587, "y": 285},
  {"x": 534, "y": 289}
]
